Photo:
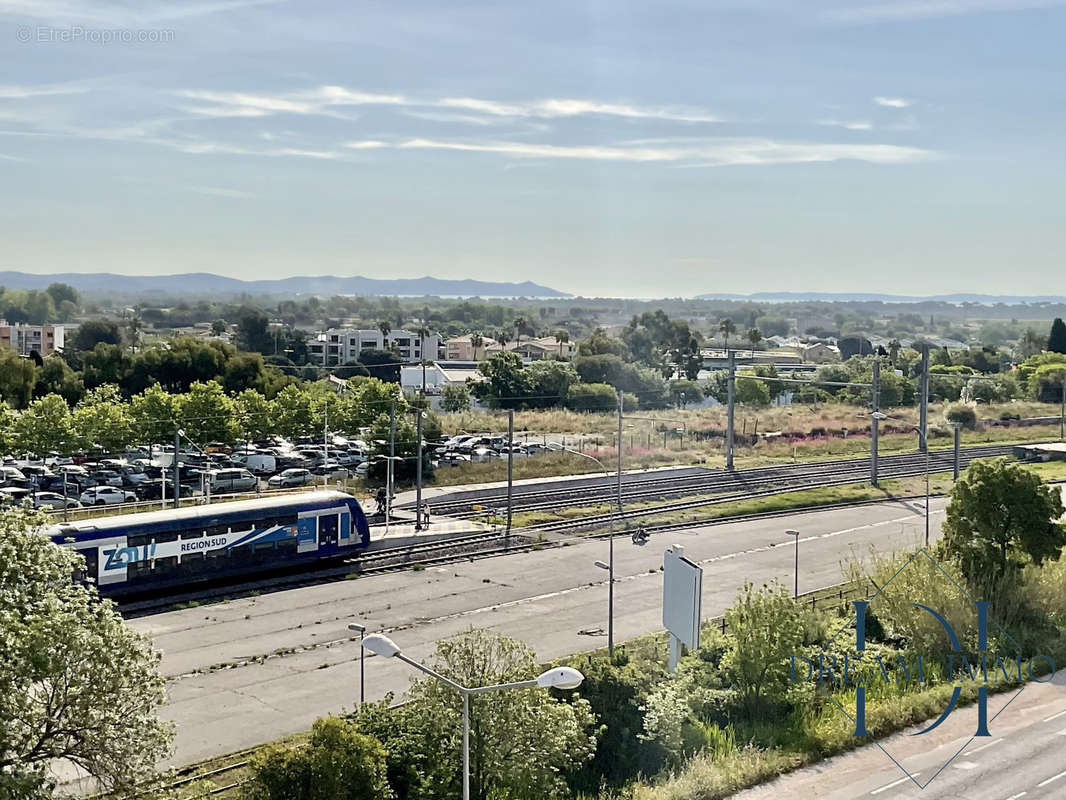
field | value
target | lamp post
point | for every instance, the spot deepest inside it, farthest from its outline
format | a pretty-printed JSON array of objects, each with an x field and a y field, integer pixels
[
  {"x": 361, "y": 629},
  {"x": 925, "y": 446},
  {"x": 610, "y": 544},
  {"x": 555, "y": 678},
  {"x": 796, "y": 573}
]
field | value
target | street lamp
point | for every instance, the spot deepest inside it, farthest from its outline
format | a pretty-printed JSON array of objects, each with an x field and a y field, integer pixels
[
  {"x": 796, "y": 573},
  {"x": 361, "y": 630},
  {"x": 925, "y": 446},
  {"x": 555, "y": 678},
  {"x": 555, "y": 446}
]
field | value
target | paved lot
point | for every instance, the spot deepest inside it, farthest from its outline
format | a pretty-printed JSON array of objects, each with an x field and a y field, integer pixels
[{"x": 251, "y": 670}]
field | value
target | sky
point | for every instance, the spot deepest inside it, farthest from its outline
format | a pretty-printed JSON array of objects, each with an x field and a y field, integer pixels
[{"x": 602, "y": 148}]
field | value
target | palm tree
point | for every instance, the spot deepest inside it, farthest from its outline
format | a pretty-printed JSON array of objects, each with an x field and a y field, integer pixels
[
  {"x": 894, "y": 347},
  {"x": 563, "y": 338},
  {"x": 726, "y": 327},
  {"x": 503, "y": 337},
  {"x": 385, "y": 329},
  {"x": 754, "y": 336},
  {"x": 476, "y": 341},
  {"x": 519, "y": 326}
]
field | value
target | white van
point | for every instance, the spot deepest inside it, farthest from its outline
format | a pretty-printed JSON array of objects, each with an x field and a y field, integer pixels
[
  {"x": 257, "y": 463},
  {"x": 231, "y": 480}
]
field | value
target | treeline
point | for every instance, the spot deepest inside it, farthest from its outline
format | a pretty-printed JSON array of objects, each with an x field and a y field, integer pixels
[{"x": 58, "y": 303}]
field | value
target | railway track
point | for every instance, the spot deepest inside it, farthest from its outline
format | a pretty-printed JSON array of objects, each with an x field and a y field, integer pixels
[{"x": 716, "y": 481}]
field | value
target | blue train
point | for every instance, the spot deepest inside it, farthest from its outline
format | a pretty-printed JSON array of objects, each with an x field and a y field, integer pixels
[{"x": 135, "y": 553}]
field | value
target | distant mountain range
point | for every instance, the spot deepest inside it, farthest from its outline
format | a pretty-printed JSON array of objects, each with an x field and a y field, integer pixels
[
  {"x": 206, "y": 283},
  {"x": 847, "y": 297}
]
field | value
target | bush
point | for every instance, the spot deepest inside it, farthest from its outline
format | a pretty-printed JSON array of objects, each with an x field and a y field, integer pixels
[
  {"x": 963, "y": 415},
  {"x": 339, "y": 764},
  {"x": 591, "y": 397}
]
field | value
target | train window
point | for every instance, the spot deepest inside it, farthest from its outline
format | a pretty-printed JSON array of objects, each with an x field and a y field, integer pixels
[
  {"x": 243, "y": 525},
  {"x": 195, "y": 534},
  {"x": 138, "y": 570},
  {"x": 216, "y": 559},
  {"x": 240, "y": 555},
  {"x": 327, "y": 529},
  {"x": 163, "y": 565},
  {"x": 217, "y": 530},
  {"x": 287, "y": 546},
  {"x": 260, "y": 546},
  {"x": 165, "y": 537},
  {"x": 137, "y": 541},
  {"x": 193, "y": 562}
]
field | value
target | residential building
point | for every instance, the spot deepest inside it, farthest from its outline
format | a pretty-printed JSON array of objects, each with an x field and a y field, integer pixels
[
  {"x": 25, "y": 339},
  {"x": 338, "y": 346},
  {"x": 460, "y": 348},
  {"x": 438, "y": 375},
  {"x": 820, "y": 353},
  {"x": 544, "y": 347}
]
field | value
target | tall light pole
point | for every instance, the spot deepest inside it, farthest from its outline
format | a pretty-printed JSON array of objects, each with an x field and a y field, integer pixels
[
  {"x": 361, "y": 630},
  {"x": 555, "y": 678},
  {"x": 796, "y": 573},
  {"x": 610, "y": 539},
  {"x": 924, "y": 441}
]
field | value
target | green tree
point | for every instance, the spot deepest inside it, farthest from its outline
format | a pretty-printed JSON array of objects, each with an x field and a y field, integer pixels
[
  {"x": 338, "y": 763},
  {"x": 76, "y": 683},
  {"x": 455, "y": 398},
  {"x": 208, "y": 414},
  {"x": 96, "y": 331},
  {"x": 750, "y": 392},
  {"x": 45, "y": 426},
  {"x": 1001, "y": 517},
  {"x": 727, "y": 328},
  {"x": 767, "y": 628},
  {"x": 292, "y": 411},
  {"x": 154, "y": 415},
  {"x": 591, "y": 397},
  {"x": 17, "y": 378},
  {"x": 56, "y": 377},
  {"x": 684, "y": 392},
  {"x": 7, "y": 428},
  {"x": 754, "y": 336},
  {"x": 253, "y": 414},
  {"x": 521, "y": 741},
  {"x": 218, "y": 327},
  {"x": 101, "y": 419},
  {"x": 1056, "y": 342},
  {"x": 549, "y": 382},
  {"x": 507, "y": 384},
  {"x": 63, "y": 292},
  {"x": 244, "y": 371},
  {"x": 105, "y": 363}
]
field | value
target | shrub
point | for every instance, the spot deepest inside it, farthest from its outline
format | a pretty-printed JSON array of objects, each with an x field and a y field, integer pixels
[{"x": 963, "y": 415}]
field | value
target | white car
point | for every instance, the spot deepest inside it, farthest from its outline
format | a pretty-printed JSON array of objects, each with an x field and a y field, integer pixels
[
  {"x": 479, "y": 454},
  {"x": 54, "y": 500},
  {"x": 331, "y": 470},
  {"x": 105, "y": 496},
  {"x": 290, "y": 478}
]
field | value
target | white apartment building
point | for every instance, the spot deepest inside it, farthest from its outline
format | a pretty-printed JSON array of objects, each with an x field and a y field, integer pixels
[
  {"x": 338, "y": 346},
  {"x": 25, "y": 339}
]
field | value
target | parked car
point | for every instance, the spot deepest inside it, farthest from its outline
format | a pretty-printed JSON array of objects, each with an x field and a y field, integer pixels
[
  {"x": 107, "y": 477},
  {"x": 258, "y": 463},
  {"x": 106, "y": 495},
  {"x": 13, "y": 495},
  {"x": 232, "y": 480},
  {"x": 330, "y": 470},
  {"x": 291, "y": 478},
  {"x": 153, "y": 489},
  {"x": 12, "y": 476},
  {"x": 53, "y": 501},
  {"x": 452, "y": 458},
  {"x": 361, "y": 470}
]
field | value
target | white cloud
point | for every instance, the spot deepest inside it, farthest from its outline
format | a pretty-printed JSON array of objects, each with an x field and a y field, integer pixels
[
  {"x": 109, "y": 12},
  {"x": 220, "y": 192},
  {"x": 850, "y": 126},
  {"x": 893, "y": 102},
  {"x": 926, "y": 9},
  {"x": 324, "y": 98},
  {"x": 692, "y": 153},
  {"x": 12, "y": 158},
  {"x": 10, "y": 92},
  {"x": 564, "y": 107}
]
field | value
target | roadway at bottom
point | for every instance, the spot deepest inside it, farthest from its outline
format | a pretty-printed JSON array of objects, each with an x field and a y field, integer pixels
[{"x": 251, "y": 670}]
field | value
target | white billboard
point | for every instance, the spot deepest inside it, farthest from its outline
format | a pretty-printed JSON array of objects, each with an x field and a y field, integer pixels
[{"x": 682, "y": 593}]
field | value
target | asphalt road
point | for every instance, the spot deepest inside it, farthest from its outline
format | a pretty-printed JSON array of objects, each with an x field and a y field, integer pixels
[
  {"x": 251, "y": 670},
  {"x": 1023, "y": 758}
]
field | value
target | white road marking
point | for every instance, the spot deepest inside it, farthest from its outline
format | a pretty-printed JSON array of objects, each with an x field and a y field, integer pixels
[
  {"x": 1053, "y": 716},
  {"x": 1016, "y": 796},
  {"x": 1049, "y": 780},
  {"x": 965, "y": 765},
  {"x": 1061, "y": 733},
  {"x": 982, "y": 747},
  {"x": 895, "y": 783}
]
